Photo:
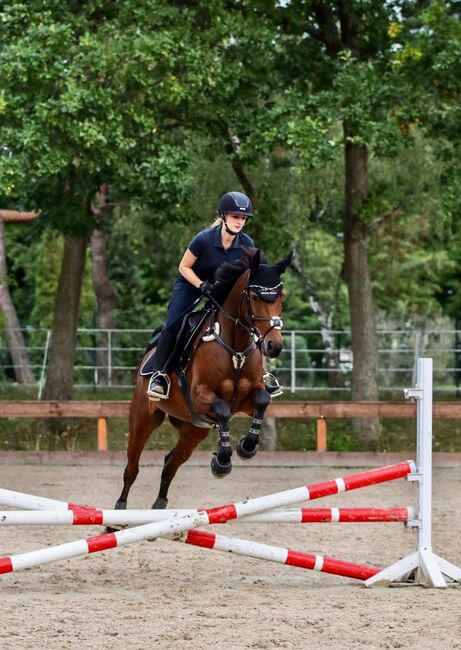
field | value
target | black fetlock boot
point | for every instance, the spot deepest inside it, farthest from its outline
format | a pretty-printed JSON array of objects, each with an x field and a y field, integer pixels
[{"x": 159, "y": 383}]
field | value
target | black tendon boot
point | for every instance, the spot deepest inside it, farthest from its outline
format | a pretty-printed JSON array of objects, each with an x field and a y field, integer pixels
[{"x": 159, "y": 383}]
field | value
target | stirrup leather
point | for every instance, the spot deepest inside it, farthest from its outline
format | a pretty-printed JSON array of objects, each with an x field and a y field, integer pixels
[
  {"x": 273, "y": 386},
  {"x": 158, "y": 392}
]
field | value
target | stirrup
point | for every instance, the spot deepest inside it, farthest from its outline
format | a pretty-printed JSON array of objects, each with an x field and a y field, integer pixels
[
  {"x": 273, "y": 386},
  {"x": 161, "y": 389}
]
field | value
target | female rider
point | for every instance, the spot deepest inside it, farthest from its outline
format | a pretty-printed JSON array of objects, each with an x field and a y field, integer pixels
[{"x": 222, "y": 242}]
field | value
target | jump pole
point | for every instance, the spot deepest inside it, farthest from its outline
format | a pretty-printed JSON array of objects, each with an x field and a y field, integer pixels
[
  {"x": 305, "y": 493},
  {"x": 428, "y": 568},
  {"x": 95, "y": 517},
  {"x": 220, "y": 514},
  {"x": 276, "y": 554}
]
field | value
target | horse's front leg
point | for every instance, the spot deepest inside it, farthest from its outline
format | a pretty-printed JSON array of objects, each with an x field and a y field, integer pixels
[
  {"x": 221, "y": 463},
  {"x": 248, "y": 444}
]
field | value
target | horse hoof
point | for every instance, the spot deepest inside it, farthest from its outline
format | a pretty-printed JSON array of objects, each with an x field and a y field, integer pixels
[
  {"x": 109, "y": 529},
  {"x": 218, "y": 470},
  {"x": 160, "y": 503},
  {"x": 120, "y": 505},
  {"x": 242, "y": 452}
]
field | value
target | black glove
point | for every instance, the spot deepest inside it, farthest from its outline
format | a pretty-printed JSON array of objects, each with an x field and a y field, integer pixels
[{"x": 205, "y": 288}]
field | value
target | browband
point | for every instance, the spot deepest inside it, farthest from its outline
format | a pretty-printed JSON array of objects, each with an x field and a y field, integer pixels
[{"x": 269, "y": 294}]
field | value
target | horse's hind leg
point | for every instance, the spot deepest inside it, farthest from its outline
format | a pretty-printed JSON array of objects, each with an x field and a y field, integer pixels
[
  {"x": 142, "y": 423},
  {"x": 189, "y": 437}
]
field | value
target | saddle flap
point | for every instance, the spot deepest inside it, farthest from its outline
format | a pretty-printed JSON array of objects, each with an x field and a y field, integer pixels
[{"x": 191, "y": 324}]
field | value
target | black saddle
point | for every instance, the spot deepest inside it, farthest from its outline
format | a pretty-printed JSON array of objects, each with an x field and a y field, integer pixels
[{"x": 180, "y": 356}]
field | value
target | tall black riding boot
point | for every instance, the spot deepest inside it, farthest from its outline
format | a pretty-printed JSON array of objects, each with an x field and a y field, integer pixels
[{"x": 159, "y": 384}]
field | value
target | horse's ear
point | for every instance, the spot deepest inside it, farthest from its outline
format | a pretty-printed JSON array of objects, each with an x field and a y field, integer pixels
[
  {"x": 255, "y": 262},
  {"x": 282, "y": 265}
]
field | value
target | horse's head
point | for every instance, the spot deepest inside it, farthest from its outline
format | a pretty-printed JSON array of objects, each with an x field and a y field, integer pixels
[{"x": 264, "y": 296}]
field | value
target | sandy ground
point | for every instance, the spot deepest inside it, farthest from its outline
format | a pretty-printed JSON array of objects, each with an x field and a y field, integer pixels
[{"x": 167, "y": 595}]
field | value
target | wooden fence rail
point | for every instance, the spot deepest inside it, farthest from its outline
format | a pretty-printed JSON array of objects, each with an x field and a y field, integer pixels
[{"x": 320, "y": 411}]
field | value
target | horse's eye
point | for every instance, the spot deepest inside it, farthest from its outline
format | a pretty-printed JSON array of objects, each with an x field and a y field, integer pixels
[{"x": 255, "y": 297}]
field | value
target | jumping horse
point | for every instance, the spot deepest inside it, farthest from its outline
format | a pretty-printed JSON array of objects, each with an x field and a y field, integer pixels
[{"x": 222, "y": 375}]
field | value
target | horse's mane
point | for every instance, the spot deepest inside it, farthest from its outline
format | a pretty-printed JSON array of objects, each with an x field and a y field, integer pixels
[{"x": 229, "y": 272}]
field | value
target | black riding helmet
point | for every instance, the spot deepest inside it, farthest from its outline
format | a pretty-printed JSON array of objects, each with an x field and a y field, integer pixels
[{"x": 235, "y": 203}]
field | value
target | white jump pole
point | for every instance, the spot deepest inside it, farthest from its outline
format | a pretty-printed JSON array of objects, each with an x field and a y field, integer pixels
[
  {"x": 286, "y": 556},
  {"x": 429, "y": 568},
  {"x": 95, "y": 517},
  {"x": 220, "y": 514},
  {"x": 25, "y": 501},
  {"x": 306, "y": 493}
]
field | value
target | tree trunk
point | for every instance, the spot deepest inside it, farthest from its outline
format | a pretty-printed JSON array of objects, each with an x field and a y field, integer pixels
[
  {"x": 60, "y": 377},
  {"x": 363, "y": 324},
  {"x": 16, "y": 343},
  {"x": 106, "y": 300}
]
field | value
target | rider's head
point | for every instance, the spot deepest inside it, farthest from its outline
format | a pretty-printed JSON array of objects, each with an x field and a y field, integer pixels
[{"x": 236, "y": 205}]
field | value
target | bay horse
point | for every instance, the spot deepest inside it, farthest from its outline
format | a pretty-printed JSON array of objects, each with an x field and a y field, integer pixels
[{"x": 223, "y": 376}]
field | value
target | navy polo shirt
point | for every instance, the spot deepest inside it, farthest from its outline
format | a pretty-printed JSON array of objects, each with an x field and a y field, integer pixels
[{"x": 210, "y": 252}]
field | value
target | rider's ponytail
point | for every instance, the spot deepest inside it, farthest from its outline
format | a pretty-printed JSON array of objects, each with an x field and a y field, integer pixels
[{"x": 216, "y": 222}]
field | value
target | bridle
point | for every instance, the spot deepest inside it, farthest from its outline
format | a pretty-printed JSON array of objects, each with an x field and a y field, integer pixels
[
  {"x": 275, "y": 322},
  {"x": 257, "y": 338},
  {"x": 254, "y": 333}
]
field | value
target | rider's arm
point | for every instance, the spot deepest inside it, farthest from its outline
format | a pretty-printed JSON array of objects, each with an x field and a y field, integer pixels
[{"x": 185, "y": 268}]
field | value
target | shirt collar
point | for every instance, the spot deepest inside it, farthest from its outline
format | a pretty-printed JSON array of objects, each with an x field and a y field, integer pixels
[{"x": 217, "y": 239}]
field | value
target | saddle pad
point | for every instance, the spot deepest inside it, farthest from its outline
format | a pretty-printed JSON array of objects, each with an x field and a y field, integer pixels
[{"x": 146, "y": 368}]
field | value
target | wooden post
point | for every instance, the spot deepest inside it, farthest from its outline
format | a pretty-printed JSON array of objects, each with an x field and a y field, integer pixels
[
  {"x": 321, "y": 434},
  {"x": 102, "y": 434}
]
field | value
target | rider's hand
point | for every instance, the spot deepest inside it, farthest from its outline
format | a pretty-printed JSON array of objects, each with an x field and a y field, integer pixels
[{"x": 205, "y": 288}]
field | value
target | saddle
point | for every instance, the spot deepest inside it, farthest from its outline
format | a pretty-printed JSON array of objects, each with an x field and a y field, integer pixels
[{"x": 182, "y": 351}]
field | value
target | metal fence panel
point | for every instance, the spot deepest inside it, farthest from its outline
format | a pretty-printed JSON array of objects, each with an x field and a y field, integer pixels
[{"x": 109, "y": 358}]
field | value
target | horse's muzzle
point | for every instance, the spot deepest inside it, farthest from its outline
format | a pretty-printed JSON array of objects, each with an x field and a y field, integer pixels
[{"x": 272, "y": 347}]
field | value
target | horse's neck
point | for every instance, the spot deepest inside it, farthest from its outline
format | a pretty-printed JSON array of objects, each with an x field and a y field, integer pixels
[{"x": 234, "y": 306}]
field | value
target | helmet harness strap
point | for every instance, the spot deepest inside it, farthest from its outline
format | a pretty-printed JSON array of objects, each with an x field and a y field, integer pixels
[{"x": 228, "y": 230}]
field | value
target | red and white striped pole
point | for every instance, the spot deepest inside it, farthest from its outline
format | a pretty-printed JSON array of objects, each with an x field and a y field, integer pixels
[
  {"x": 200, "y": 538},
  {"x": 95, "y": 517},
  {"x": 305, "y": 493},
  {"x": 31, "y": 502},
  {"x": 277, "y": 554},
  {"x": 207, "y": 516}
]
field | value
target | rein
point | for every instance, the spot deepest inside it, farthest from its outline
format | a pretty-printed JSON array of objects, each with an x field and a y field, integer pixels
[
  {"x": 238, "y": 358},
  {"x": 256, "y": 338}
]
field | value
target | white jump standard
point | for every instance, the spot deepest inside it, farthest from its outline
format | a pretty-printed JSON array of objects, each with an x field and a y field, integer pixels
[{"x": 427, "y": 567}]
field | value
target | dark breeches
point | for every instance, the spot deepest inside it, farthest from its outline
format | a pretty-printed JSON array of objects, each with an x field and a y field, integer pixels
[{"x": 181, "y": 302}]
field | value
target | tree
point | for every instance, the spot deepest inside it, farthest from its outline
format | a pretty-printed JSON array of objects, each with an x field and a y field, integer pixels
[
  {"x": 16, "y": 343},
  {"x": 88, "y": 97},
  {"x": 353, "y": 95}
]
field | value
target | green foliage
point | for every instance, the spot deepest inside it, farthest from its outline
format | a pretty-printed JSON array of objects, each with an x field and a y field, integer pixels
[
  {"x": 33, "y": 259},
  {"x": 89, "y": 96},
  {"x": 163, "y": 100}
]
